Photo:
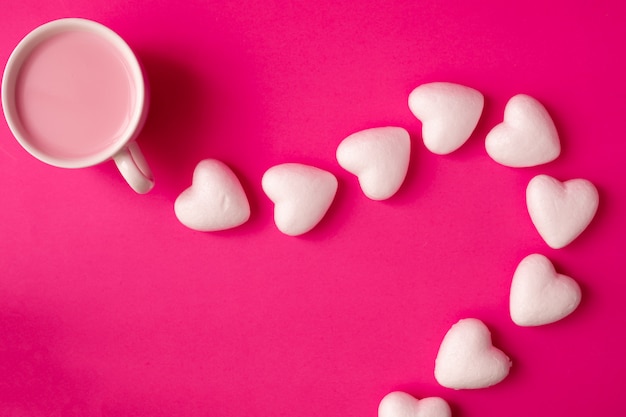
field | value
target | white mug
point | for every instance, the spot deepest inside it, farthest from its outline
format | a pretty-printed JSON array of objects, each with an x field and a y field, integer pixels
[{"x": 74, "y": 95}]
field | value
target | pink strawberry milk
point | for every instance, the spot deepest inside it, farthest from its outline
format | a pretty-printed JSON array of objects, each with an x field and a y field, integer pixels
[{"x": 74, "y": 96}]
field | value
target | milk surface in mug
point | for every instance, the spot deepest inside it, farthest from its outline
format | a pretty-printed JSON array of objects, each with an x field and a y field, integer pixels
[{"x": 74, "y": 95}]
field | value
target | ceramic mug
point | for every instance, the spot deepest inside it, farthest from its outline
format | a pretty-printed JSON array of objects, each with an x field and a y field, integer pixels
[{"x": 74, "y": 95}]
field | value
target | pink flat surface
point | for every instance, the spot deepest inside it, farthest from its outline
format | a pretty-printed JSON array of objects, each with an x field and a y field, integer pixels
[{"x": 110, "y": 307}]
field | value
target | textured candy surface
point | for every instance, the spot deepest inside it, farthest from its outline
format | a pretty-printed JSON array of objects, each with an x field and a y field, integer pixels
[
  {"x": 301, "y": 195},
  {"x": 467, "y": 359},
  {"x": 449, "y": 114},
  {"x": 379, "y": 157},
  {"x": 215, "y": 201},
  {"x": 561, "y": 211},
  {"x": 401, "y": 404},
  {"x": 527, "y": 136},
  {"x": 540, "y": 295}
]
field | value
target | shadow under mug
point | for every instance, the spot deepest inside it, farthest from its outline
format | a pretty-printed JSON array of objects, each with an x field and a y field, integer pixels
[{"x": 75, "y": 95}]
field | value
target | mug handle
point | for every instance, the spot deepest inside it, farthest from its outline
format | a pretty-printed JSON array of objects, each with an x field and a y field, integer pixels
[{"x": 134, "y": 168}]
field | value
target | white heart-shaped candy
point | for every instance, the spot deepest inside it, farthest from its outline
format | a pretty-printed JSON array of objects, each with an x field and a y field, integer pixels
[
  {"x": 527, "y": 137},
  {"x": 449, "y": 114},
  {"x": 401, "y": 404},
  {"x": 301, "y": 195},
  {"x": 561, "y": 211},
  {"x": 379, "y": 157},
  {"x": 539, "y": 295},
  {"x": 215, "y": 201},
  {"x": 467, "y": 359}
]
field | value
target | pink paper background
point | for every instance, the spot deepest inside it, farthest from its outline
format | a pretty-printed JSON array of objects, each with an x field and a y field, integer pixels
[{"x": 110, "y": 307}]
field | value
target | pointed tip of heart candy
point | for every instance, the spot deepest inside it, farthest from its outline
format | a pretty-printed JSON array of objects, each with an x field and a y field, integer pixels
[
  {"x": 527, "y": 137},
  {"x": 467, "y": 358},
  {"x": 379, "y": 157},
  {"x": 449, "y": 114},
  {"x": 401, "y": 404},
  {"x": 561, "y": 211},
  {"x": 539, "y": 295},
  {"x": 214, "y": 201},
  {"x": 302, "y": 194}
]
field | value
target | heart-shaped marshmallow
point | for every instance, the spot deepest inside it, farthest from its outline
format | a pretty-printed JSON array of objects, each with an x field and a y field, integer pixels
[
  {"x": 527, "y": 137},
  {"x": 449, "y": 114},
  {"x": 539, "y": 295},
  {"x": 467, "y": 359},
  {"x": 401, "y": 404},
  {"x": 215, "y": 201},
  {"x": 561, "y": 211},
  {"x": 302, "y": 195},
  {"x": 379, "y": 157}
]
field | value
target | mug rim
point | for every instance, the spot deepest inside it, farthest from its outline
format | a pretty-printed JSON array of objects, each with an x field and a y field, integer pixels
[{"x": 23, "y": 50}]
